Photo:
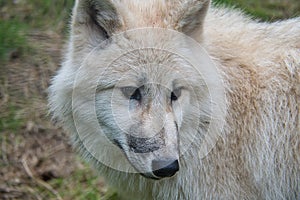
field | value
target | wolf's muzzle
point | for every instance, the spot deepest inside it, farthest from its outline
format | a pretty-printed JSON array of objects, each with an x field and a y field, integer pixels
[{"x": 145, "y": 145}]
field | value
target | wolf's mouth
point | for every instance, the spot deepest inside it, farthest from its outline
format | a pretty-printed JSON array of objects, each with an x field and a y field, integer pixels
[
  {"x": 150, "y": 176},
  {"x": 162, "y": 167}
]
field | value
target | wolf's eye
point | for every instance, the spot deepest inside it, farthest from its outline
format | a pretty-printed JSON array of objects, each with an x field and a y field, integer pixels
[
  {"x": 173, "y": 97},
  {"x": 132, "y": 93},
  {"x": 136, "y": 95},
  {"x": 175, "y": 94}
]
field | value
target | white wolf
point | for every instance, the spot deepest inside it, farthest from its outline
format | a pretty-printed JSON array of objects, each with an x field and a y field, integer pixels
[{"x": 160, "y": 120}]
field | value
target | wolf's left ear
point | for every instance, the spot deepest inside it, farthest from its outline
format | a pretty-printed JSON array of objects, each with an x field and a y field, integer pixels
[
  {"x": 94, "y": 20},
  {"x": 190, "y": 17}
]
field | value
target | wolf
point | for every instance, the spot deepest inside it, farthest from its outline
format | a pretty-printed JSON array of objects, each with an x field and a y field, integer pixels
[{"x": 182, "y": 99}]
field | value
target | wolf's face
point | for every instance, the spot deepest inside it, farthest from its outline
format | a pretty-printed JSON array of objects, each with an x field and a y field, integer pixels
[
  {"x": 146, "y": 89},
  {"x": 146, "y": 124},
  {"x": 149, "y": 103}
]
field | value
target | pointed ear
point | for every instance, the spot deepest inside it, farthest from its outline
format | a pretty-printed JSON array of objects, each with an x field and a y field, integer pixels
[
  {"x": 95, "y": 19},
  {"x": 190, "y": 17}
]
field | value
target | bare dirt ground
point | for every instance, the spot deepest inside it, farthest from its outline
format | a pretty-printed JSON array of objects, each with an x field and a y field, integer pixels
[{"x": 33, "y": 151}]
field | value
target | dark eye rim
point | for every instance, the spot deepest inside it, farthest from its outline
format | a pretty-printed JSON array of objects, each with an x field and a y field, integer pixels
[
  {"x": 173, "y": 97},
  {"x": 132, "y": 93},
  {"x": 136, "y": 95},
  {"x": 175, "y": 94}
]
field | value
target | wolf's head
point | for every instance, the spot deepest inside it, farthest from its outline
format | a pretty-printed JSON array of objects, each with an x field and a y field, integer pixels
[
  {"x": 138, "y": 80},
  {"x": 145, "y": 99}
]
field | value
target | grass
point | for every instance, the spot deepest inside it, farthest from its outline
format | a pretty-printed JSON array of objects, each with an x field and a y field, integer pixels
[
  {"x": 81, "y": 185},
  {"x": 17, "y": 18},
  {"x": 36, "y": 13},
  {"x": 11, "y": 120},
  {"x": 269, "y": 10},
  {"x": 12, "y": 39},
  {"x": 86, "y": 188}
]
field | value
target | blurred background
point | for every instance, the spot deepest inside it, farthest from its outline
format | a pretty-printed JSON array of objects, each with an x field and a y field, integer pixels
[{"x": 36, "y": 159}]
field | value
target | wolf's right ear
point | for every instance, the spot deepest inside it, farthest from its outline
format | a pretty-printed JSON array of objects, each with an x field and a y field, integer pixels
[
  {"x": 190, "y": 15},
  {"x": 95, "y": 20}
]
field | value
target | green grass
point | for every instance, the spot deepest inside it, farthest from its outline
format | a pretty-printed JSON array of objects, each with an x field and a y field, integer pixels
[
  {"x": 12, "y": 121},
  {"x": 37, "y": 13},
  {"x": 267, "y": 10},
  {"x": 49, "y": 13},
  {"x": 82, "y": 185},
  {"x": 12, "y": 39},
  {"x": 16, "y": 19}
]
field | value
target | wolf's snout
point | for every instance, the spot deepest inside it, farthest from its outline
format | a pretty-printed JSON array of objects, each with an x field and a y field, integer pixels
[{"x": 164, "y": 168}]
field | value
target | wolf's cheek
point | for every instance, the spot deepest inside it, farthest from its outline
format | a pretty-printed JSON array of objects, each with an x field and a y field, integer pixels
[{"x": 112, "y": 112}]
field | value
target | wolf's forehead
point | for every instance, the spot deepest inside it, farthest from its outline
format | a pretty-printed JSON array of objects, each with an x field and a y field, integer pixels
[
  {"x": 148, "y": 60},
  {"x": 146, "y": 12},
  {"x": 150, "y": 13},
  {"x": 141, "y": 69},
  {"x": 139, "y": 66},
  {"x": 156, "y": 68},
  {"x": 149, "y": 78}
]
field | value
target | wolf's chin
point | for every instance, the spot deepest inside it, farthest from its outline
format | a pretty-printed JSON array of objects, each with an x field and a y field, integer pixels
[{"x": 150, "y": 176}]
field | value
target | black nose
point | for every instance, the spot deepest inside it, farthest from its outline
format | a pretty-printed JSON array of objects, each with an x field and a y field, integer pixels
[{"x": 164, "y": 168}]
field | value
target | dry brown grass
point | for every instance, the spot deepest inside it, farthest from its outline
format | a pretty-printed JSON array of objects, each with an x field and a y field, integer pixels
[{"x": 36, "y": 159}]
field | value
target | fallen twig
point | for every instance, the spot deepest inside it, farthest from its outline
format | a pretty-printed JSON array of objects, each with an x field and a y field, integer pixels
[{"x": 39, "y": 181}]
